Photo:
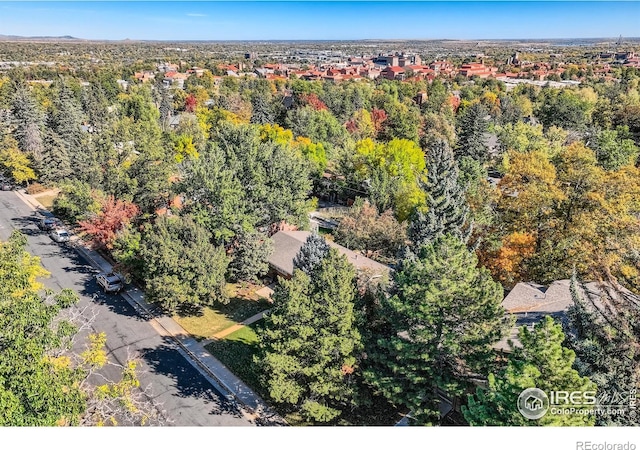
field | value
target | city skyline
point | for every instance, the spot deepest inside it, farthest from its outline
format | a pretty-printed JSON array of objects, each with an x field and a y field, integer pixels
[{"x": 335, "y": 20}]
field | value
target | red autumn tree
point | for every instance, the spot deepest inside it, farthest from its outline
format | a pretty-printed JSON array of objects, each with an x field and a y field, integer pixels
[
  {"x": 313, "y": 101},
  {"x": 190, "y": 103},
  {"x": 102, "y": 228},
  {"x": 454, "y": 101},
  {"x": 378, "y": 116}
]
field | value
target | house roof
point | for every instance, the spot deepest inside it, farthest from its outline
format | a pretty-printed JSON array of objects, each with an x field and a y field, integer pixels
[
  {"x": 287, "y": 244},
  {"x": 531, "y": 302},
  {"x": 532, "y": 297}
]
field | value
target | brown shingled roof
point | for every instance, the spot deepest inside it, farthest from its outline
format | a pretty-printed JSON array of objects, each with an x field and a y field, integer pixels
[{"x": 287, "y": 244}]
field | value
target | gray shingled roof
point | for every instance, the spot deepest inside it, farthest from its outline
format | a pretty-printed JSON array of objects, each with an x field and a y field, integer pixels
[
  {"x": 531, "y": 302},
  {"x": 531, "y": 297},
  {"x": 287, "y": 244}
]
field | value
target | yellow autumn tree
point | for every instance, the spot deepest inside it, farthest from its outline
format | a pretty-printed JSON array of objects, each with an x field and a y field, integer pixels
[
  {"x": 529, "y": 192},
  {"x": 600, "y": 216},
  {"x": 15, "y": 163}
]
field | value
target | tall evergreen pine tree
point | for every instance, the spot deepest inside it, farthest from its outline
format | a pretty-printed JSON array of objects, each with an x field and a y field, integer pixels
[
  {"x": 66, "y": 121},
  {"x": 606, "y": 340},
  {"x": 542, "y": 362},
  {"x": 471, "y": 129},
  {"x": 311, "y": 341},
  {"x": 437, "y": 329},
  {"x": 56, "y": 163},
  {"x": 29, "y": 122},
  {"x": 447, "y": 206}
]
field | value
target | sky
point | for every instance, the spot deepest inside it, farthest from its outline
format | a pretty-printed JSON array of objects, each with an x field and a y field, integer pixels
[{"x": 333, "y": 20}]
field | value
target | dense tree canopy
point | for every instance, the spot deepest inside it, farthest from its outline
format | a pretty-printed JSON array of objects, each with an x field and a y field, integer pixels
[
  {"x": 182, "y": 269},
  {"x": 182, "y": 185},
  {"x": 541, "y": 362},
  {"x": 43, "y": 383}
]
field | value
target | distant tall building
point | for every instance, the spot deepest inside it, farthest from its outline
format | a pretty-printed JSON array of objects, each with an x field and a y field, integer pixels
[{"x": 514, "y": 59}]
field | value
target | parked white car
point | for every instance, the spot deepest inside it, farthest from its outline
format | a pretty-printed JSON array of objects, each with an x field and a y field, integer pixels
[
  {"x": 60, "y": 235},
  {"x": 110, "y": 282}
]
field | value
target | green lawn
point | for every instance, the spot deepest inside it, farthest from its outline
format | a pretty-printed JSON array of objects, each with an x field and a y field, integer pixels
[
  {"x": 236, "y": 352},
  {"x": 212, "y": 320}
]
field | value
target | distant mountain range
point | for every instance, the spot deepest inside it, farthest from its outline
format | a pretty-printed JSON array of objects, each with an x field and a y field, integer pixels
[
  {"x": 561, "y": 41},
  {"x": 4, "y": 37}
]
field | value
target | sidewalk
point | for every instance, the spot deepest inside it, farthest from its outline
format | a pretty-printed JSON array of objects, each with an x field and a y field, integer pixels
[
  {"x": 221, "y": 378},
  {"x": 234, "y": 328}
]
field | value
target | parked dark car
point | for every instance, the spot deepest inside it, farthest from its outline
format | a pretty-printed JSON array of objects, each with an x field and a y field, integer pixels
[{"x": 49, "y": 224}]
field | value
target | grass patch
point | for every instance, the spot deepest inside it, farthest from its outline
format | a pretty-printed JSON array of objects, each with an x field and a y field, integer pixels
[
  {"x": 47, "y": 200},
  {"x": 236, "y": 351},
  {"x": 212, "y": 320},
  {"x": 326, "y": 233}
]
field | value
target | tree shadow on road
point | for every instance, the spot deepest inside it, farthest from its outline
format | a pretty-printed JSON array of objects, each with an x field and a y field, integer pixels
[
  {"x": 167, "y": 360},
  {"x": 28, "y": 225}
]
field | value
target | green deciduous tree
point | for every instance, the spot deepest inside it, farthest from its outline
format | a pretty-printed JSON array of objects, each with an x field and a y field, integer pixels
[
  {"x": 564, "y": 108},
  {"x": 438, "y": 327},
  {"x": 403, "y": 165},
  {"x": 614, "y": 148},
  {"x": 214, "y": 195},
  {"x": 274, "y": 177},
  {"x": 182, "y": 269},
  {"x": 75, "y": 201},
  {"x": 317, "y": 125},
  {"x": 310, "y": 343}
]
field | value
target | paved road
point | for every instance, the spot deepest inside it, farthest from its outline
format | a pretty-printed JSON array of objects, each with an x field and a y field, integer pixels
[{"x": 184, "y": 394}]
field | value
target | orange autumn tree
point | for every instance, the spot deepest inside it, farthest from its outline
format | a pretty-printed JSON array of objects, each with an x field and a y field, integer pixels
[
  {"x": 507, "y": 264},
  {"x": 102, "y": 228}
]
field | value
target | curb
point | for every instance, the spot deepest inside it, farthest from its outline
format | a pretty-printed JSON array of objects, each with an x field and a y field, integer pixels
[{"x": 220, "y": 386}]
